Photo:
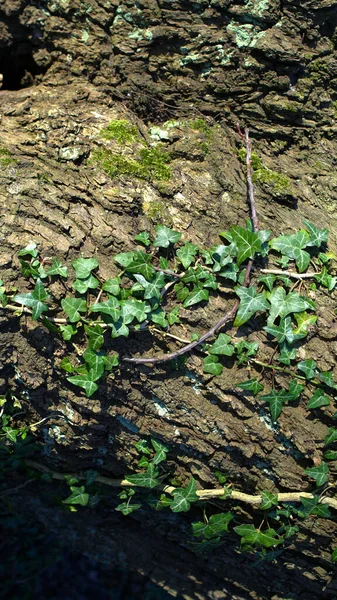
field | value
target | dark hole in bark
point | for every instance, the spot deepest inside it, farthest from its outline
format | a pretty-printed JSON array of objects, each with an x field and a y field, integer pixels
[{"x": 18, "y": 67}]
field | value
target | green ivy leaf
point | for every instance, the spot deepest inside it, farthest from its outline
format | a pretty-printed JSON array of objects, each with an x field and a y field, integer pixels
[
  {"x": 141, "y": 264},
  {"x": 84, "y": 266},
  {"x": 252, "y": 385},
  {"x": 318, "y": 399},
  {"x": 143, "y": 238},
  {"x": 275, "y": 400},
  {"x": 112, "y": 286},
  {"x": 221, "y": 257},
  {"x": 143, "y": 447},
  {"x": 292, "y": 247},
  {"x": 247, "y": 242},
  {"x": 283, "y": 304},
  {"x": 11, "y": 433},
  {"x": 268, "y": 280},
  {"x": 217, "y": 524},
  {"x": 143, "y": 463},
  {"x": 110, "y": 307},
  {"x": 173, "y": 316},
  {"x": 303, "y": 322},
  {"x": 164, "y": 264},
  {"x": 326, "y": 280},
  {"x": 187, "y": 254},
  {"x": 68, "y": 331},
  {"x": 87, "y": 382},
  {"x": 317, "y": 236},
  {"x": 110, "y": 361},
  {"x": 78, "y": 496},
  {"x": 179, "y": 503},
  {"x": 327, "y": 378},
  {"x": 251, "y": 348},
  {"x": 35, "y": 300},
  {"x": 149, "y": 479},
  {"x": 294, "y": 391},
  {"x": 307, "y": 508},
  {"x": 198, "y": 294},
  {"x": 231, "y": 272},
  {"x": 255, "y": 537},
  {"x": 153, "y": 288},
  {"x": 222, "y": 345},
  {"x": 320, "y": 474},
  {"x": 287, "y": 354},
  {"x": 83, "y": 285},
  {"x": 161, "y": 452},
  {"x": 331, "y": 437},
  {"x": 330, "y": 455},
  {"x": 250, "y": 303},
  {"x": 308, "y": 367},
  {"x": 209, "y": 281},
  {"x": 290, "y": 530},
  {"x": 127, "y": 508},
  {"x": 134, "y": 309},
  {"x": 159, "y": 316},
  {"x": 119, "y": 329},
  {"x": 268, "y": 500},
  {"x": 125, "y": 259},
  {"x": 165, "y": 236},
  {"x": 95, "y": 363},
  {"x": 181, "y": 291},
  {"x": 73, "y": 307},
  {"x": 95, "y": 335},
  {"x": 29, "y": 250},
  {"x": 57, "y": 268},
  {"x": 334, "y": 555},
  {"x": 212, "y": 365},
  {"x": 221, "y": 477},
  {"x": 283, "y": 331},
  {"x": 182, "y": 497},
  {"x": 66, "y": 365}
]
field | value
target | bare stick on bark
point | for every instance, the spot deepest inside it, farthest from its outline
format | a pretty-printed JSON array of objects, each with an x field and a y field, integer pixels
[
  {"x": 291, "y": 274},
  {"x": 254, "y": 500},
  {"x": 229, "y": 316}
]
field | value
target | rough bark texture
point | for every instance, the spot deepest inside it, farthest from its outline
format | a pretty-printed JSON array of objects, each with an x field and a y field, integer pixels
[{"x": 70, "y": 67}]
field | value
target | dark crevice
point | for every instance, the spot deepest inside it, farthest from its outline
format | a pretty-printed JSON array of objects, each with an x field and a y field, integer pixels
[{"x": 17, "y": 64}]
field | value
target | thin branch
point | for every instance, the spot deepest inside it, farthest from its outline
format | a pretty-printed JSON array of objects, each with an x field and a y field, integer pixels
[
  {"x": 172, "y": 355},
  {"x": 254, "y": 500},
  {"x": 291, "y": 274},
  {"x": 229, "y": 316},
  {"x": 170, "y": 335},
  {"x": 250, "y": 185},
  {"x": 169, "y": 272},
  {"x": 18, "y": 487}
]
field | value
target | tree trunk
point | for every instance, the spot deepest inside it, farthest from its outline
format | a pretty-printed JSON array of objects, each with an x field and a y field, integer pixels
[{"x": 71, "y": 67}]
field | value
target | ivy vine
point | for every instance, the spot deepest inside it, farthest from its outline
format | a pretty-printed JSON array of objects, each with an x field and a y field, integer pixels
[{"x": 155, "y": 285}]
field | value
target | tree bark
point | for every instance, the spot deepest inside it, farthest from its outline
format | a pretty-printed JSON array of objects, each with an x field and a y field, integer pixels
[{"x": 71, "y": 67}]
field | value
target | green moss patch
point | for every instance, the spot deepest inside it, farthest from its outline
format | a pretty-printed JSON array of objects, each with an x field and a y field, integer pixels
[
  {"x": 6, "y": 158},
  {"x": 120, "y": 130},
  {"x": 151, "y": 164},
  {"x": 278, "y": 182}
]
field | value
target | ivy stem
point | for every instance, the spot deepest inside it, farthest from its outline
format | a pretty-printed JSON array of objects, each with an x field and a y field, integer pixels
[
  {"x": 274, "y": 368},
  {"x": 286, "y": 371}
]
